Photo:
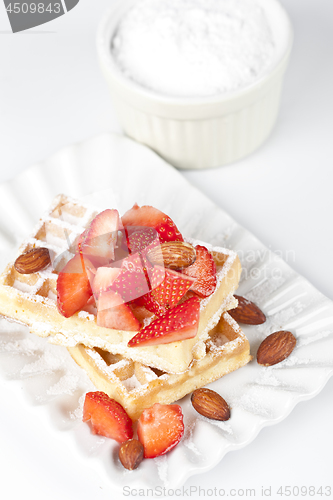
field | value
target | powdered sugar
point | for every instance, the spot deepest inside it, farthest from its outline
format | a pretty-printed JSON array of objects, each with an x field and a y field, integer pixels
[
  {"x": 46, "y": 363},
  {"x": 131, "y": 383},
  {"x": 193, "y": 48},
  {"x": 303, "y": 341},
  {"x": 23, "y": 346},
  {"x": 188, "y": 438},
  {"x": 86, "y": 315},
  {"x": 149, "y": 374},
  {"x": 162, "y": 469},
  {"x": 67, "y": 384}
]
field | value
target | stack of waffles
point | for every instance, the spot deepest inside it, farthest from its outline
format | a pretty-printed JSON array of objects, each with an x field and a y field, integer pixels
[{"x": 139, "y": 376}]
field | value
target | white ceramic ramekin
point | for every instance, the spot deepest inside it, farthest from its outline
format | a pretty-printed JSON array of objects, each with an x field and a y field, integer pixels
[{"x": 197, "y": 133}]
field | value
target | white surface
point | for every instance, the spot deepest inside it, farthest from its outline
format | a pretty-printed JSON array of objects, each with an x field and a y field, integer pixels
[{"x": 52, "y": 94}]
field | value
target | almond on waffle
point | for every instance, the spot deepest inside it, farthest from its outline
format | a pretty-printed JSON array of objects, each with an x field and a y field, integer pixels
[
  {"x": 32, "y": 298},
  {"x": 137, "y": 386}
]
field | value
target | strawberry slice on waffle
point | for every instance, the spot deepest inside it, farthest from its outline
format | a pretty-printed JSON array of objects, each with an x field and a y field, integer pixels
[
  {"x": 179, "y": 323},
  {"x": 147, "y": 216},
  {"x": 112, "y": 312},
  {"x": 204, "y": 272},
  {"x": 169, "y": 291},
  {"x": 73, "y": 285},
  {"x": 98, "y": 241},
  {"x": 138, "y": 238},
  {"x": 131, "y": 282},
  {"x": 103, "y": 279},
  {"x": 168, "y": 288}
]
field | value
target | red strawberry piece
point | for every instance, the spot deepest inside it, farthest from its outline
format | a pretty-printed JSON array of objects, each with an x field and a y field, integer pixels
[
  {"x": 73, "y": 286},
  {"x": 132, "y": 281},
  {"x": 112, "y": 312},
  {"x": 204, "y": 270},
  {"x": 151, "y": 305},
  {"x": 92, "y": 301},
  {"x": 156, "y": 275},
  {"x": 160, "y": 428},
  {"x": 104, "y": 278},
  {"x": 171, "y": 289},
  {"x": 168, "y": 288},
  {"x": 179, "y": 323},
  {"x": 139, "y": 238},
  {"x": 99, "y": 240},
  {"x": 108, "y": 418},
  {"x": 148, "y": 216}
]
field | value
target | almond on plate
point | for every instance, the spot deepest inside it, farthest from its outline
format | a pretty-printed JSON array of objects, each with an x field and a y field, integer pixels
[
  {"x": 247, "y": 312},
  {"x": 131, "y": 454},
  {"x": 275, "y": 348},
  {"x": 210, "y": 404}
]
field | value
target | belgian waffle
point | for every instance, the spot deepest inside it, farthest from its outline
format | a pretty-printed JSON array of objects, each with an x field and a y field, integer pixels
[
  {"x": 31, "y": 299},
  {"x": 137, "y": 386}
]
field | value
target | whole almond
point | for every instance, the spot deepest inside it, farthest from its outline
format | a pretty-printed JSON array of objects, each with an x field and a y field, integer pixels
[
  {"x": 210, "y": 404},
  {"x": 131, "y": 454},
  {"x": 33, "y": 261},
  {"x": 247, "y": 312},
  {"x": 172, "y": 255},
  {"x": 275, "y": 348}
]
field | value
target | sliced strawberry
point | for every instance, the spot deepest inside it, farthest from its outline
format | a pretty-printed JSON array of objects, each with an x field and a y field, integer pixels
[
  {"x": 108, "y": 418},
  {"x": 73, "y": 286},
  {"x": 179, "y": 323},
  {"x": 204, "y": 270},
  {"x": 151, "y": 305},
  {"x": 169, "y": 292},
  {"x": 112, "y": 312},
  {"x": 160, "y": 428},
  {"x": 104, "y": 278},
  {"x": 98, "y": 241},
  {"x": 131, "y": 283},
  {"x": 168, "y": 288},
  {"x": 139, "y": 238},
  {"x": 148, "y": 216}
]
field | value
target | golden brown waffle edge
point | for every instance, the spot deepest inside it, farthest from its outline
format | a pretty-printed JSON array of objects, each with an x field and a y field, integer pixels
[{"x": 136, "y": 386}]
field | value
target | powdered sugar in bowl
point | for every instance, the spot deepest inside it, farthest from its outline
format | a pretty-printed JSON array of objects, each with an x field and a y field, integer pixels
[{"x": 198, "y": 81}]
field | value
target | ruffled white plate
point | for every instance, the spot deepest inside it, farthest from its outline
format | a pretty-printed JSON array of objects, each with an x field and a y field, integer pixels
[{"x": 112, "y": 171}]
